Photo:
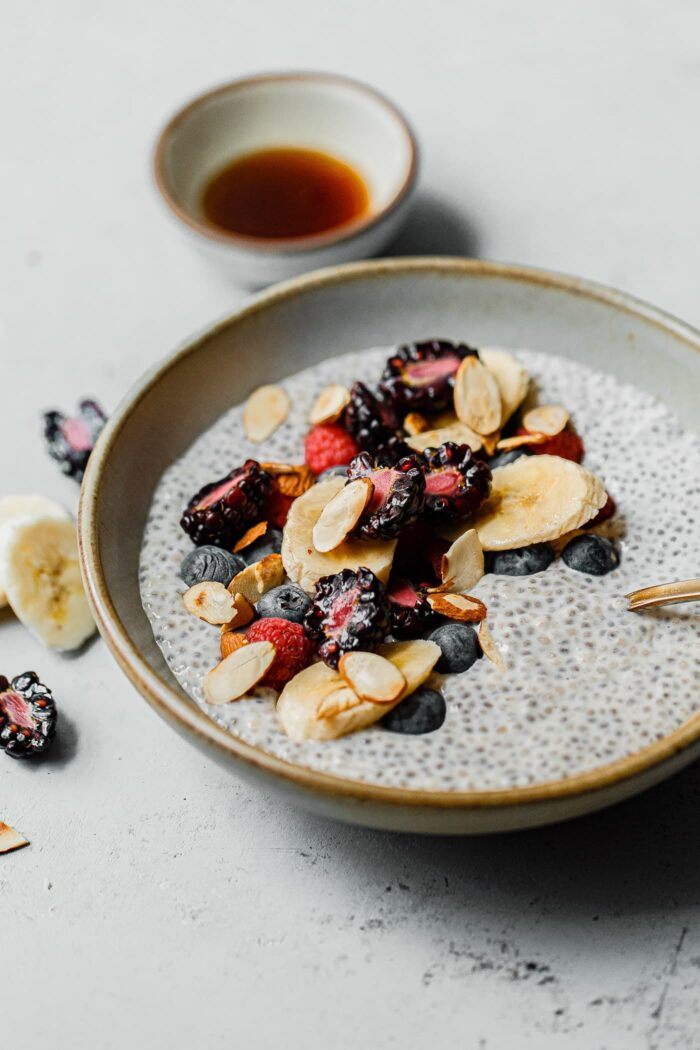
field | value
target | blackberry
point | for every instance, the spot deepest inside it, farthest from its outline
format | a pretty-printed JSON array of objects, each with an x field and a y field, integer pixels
[
  {"x": 456, "y": 483},
  {"x": 419, "y": 377},
  {"x": 411, "y": 614},
  {"x": 28, "y": 716},
  {"x": 374, "y": 425},
  {"x": 70, "y": 440},
  {"x": 349, "y": 611},
  {"x": 397, "y": 500},
  {"x": 221, "y": 511}
]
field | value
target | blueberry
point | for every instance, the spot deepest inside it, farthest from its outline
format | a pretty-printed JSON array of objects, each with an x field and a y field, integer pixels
[
  {"x": 459, "y": 646},
  {"x": 422, "y": 712},
  {"x": 522, "y": 561},
  {"x": 333, "y": 472},
  {"x": 210, "y": 563},
  {"x": 504, "y": 458},
  {"x": 287, "y": 602},
  {"x": 269, "y": 543},
  {"x": 591, "y": 554}
]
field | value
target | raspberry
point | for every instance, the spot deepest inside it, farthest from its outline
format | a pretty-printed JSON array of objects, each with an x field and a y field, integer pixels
[
  {"x": 397, "y": 499},
  {"x": 375, "y": 425},
  {"x": 349, "y": 611},
  {"x": 456, "y": 484},
  {"x": 420, "y": 376},
  {"x": 293, "y": 648},
  {"x": 567, "y": 445},
  {"x": 411, "y": 613},
  {"x": 327, "y": 446},
  {"x": 28, "y": 716},
  {"x": 221, "y": 511}
]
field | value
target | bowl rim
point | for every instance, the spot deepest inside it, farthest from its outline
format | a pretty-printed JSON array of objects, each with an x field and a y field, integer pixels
[
  {"x": 186, "y": 716},
  {"x": 285, "y": 245}
]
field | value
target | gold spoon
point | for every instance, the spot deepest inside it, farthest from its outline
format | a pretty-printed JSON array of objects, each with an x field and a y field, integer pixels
[{"x": 664, "y": 594}]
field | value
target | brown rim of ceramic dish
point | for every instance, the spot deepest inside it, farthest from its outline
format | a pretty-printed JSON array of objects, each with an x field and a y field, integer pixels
[
  {"x": 292, "y": 245},
  {"x": 188, "y": 716}
]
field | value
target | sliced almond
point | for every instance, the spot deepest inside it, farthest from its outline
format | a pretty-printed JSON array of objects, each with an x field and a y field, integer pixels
[
  {"x": 266, "y": 408},
  {"x": 372, "y": 677},
  {"x": 259, "y": 578},
  {"x": 458, "y": 432},
  {"x": 477, "y": 396},
  {"x": 415, "y": 660},
  {"x": 238, "y": 673},
  {"x": 415, "y": 423},
  {"x": 340, "y": 516},
  {"x": 230, "y": 641},
  {"x": 518, "y": 440},
  {"x": 489, "y": 647},
  {"x": 254, "y": 533},
  {"x": 210, "y": 601},
  {"x": 330, "y": 404},
  {"x": 243, "y": 614},
  {"x": 462, "y": 564},
  {"x": 461, "y": 607},
  {"x": 10, "y": 839},
  {"x": 511, "y": 376},
  {"x": 546, "y": 419},
  {"x": 291, "y": 481}
]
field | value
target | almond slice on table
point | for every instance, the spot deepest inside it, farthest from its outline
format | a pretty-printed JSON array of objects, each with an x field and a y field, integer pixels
[
  {"x": 511, "y": 376},
  {"x": 372, "y": 677},
  {"x": 330, "y": 404},
  {"x": 265, "y": 410},
  {"x": 230, "y": 641},
  {"x": 477, "y": 397},
  {"x": 549, "y": 420},
  {"x": 238, "y": 673},
  {"x": 210, "y": 601},
  {"x": 489, "y": 647},
  {"x": 259, "y": 578},
  {"x": 518, "y": 440},
  {"x": 254, "y": 533},
  {"x": 305, "y": 565},
  {"x": 458, "y": 432},
  {"x": 340, "y": 516},
  {"x": 461, "y": 607},
  {"x": 415, "y": 423},
  {"x": 537, "y": 499},
  {"x": 462, "y": 564},
  {"x": 11, "y": 839}
]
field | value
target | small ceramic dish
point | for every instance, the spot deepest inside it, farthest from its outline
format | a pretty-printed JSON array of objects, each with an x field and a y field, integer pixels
[
  {"x": 608, "y": 729},
  {"x": 317, "y": 111}
]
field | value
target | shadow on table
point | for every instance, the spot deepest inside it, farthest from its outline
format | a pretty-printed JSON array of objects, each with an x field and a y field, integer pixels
[{"x": 435, "y": 228}]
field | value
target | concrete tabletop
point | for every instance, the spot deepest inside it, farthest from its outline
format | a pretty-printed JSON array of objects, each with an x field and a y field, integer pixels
[{"x": 161, "y": 902}]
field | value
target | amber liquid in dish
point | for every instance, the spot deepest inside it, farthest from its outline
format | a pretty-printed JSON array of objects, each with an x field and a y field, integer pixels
[{"x": 285, "y": 193}]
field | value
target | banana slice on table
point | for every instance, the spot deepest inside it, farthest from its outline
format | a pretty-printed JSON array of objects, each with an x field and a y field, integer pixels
[
  {"x": 536, "y": 499},
  {"x": 511, "y": 377},
  {"x": 13, "y": 507},
  {"x": 41, "y": 574},
  {"x": 304, "y": 564}
]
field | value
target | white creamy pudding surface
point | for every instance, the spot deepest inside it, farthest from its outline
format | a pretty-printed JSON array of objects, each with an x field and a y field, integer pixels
[{"x": 587, "y": 683}]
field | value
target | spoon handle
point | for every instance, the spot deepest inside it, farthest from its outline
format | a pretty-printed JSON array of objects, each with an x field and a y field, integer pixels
[{"x": 665, "y": 594}]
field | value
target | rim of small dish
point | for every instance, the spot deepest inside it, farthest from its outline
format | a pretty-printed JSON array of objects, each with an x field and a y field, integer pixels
[
  {"x": 285, "y": 245},
  {"x": 185, "y": 714}
]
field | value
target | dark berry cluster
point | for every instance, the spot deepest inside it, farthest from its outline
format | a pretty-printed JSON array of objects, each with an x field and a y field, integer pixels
[
  {"x": 70, "y": 440},
  {"x": 28, "y": 716},
  {"x": 349, "y": 611},
  {"x": 411, "y": 613},
  {"x": 221, "y": 511},
  {"x": 374, "y": 425},
  {"x": 456, "y": 482},
  {"x": 397, "y": 499},
  {"x": 419, "y": 377}
]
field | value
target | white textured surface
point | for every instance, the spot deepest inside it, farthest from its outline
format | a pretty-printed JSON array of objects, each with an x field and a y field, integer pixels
[
  {"x": 586, "y": 684},
  {"x": 161, "y": 903}
]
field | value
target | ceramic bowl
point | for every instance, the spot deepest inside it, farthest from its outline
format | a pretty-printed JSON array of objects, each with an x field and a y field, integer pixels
[
  {"x": 310, "y": 110},
  {"x": 302, "y": 323}
]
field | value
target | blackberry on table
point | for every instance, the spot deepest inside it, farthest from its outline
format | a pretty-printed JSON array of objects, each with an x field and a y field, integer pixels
[
  {"x": 397, "y": 499},
  {"x": 374, "y": 425},
  {"x": 349, "y": 611},
  {"x": 28, "y": 716},
  {"x": 410, "y": 610},
  {"x": 221, "y": 511},
  {"x": 456, "y": 483},
  {"x": 420, "y": 376},
  {"x": 70, "y": 440}
]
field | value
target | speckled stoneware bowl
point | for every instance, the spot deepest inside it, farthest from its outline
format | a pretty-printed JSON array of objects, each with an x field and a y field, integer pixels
[{"x": 553, "y": 740}]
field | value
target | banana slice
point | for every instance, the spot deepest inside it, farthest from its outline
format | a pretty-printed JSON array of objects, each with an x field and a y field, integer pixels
[
  {"x": 305, "y": 565},
  {"x": 12, "y": 507},
  {"x": 535, "y": 499},
  {"x": 511, "y": 377},
  {"x": 39, "y": 566}
]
